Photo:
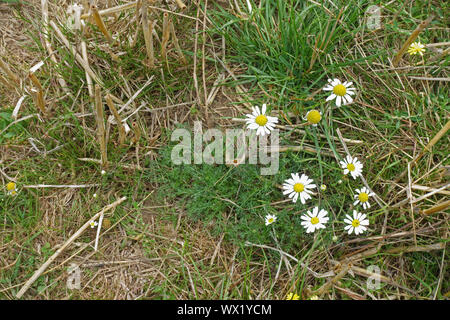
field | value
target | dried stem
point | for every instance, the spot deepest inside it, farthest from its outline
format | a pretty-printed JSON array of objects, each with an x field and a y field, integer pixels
[
  {"x": 88, "y": 77},
  {"x": 147, "y": 28},
  {"x": 428, "y": 147},
  {"x": 79, "y": 58},
  {"x": 411, "y": 39},
  {"x": 165, "y": 36},
  {"x": 437, "y": 208},
  {"x": 38, "y": 272},
  {"x": 100, "y": 24},
  {"x": 116, "y": 115},
  {"x": 100, "y": 126},
  {"x": 177, "y": 45},
  {"x": 113, "y": 10},
  {"x": 39, "y": 93}
]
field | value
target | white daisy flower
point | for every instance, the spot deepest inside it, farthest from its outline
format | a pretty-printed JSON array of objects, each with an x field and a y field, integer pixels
[
  {"x": 357, "y": 224},
  {"x": 315, "y": 220},
  {"x": 270, "y": 219},
  {"x": 313, "y": 117},
  {"x": 342, "y": 92},
  {"x": 416, "y": 48},
  {"x": 362, "y": 196},
  {"x": 260, "y": 122},
  {"x": 352, "y": 165},
  {"x": 298, "y": 186},
  {"x": 93, "y": 224}
]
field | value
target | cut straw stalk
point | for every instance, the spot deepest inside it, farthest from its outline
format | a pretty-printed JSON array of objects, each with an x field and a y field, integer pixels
[
  {"x": 38, "y": 94},
  {"x": 113, "y": 10},
  {"x": 100, "y": 126},
  {"x": 116, "y": 115},
  {"x": 177, "y": 45},
  {"x": 147, "y": 28},
  {"x": 38, "y": 272},
  {"x": 165, "y": 36},
  {"x": 411, "y": 39},
  {"x": 437, "y": 208},
  {"x": 88, "y": 77},
  {"x": 100, "y": 24},
  {"x": 78, "y": 57}
]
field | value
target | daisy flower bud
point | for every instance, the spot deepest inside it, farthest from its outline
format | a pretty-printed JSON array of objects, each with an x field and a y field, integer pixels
[
  {"x": 313, "y": 117},
  {"x": 11, "y": 188}
]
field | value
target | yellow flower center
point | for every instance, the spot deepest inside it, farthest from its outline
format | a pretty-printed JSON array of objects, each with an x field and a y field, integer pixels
[
  {"x": 11, "y": 186},
  {"x": 261, "y": 120},
  {"x": 298, "y": 187},
  {"x": 351, "y": 167},
  {"x": 340, "y": 90},
  {"x": 363, "y": 197},
  {"x": 313, "y": 116},
  {"x": 355, "y": 223},
  {"x": 314, "y": 220},
  {"x": 270, "y": 220}
]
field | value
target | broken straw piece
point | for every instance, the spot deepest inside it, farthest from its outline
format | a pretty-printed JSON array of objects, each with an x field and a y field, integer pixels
[{"x": 36, "y": 67}]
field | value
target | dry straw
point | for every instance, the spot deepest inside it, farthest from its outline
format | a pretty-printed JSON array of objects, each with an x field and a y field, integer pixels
[
  {"x": 116, "y": 115},
  {"x": 38, "y": 272},
  {"x": 38, "y": 95},
  {"x": 100, "y": 24},
  {"x": 147, "y": 28},
  {"x": 411, "y": 39},
  {"x": 100, "y": 126},
  {"x": 165, "y": 36}
]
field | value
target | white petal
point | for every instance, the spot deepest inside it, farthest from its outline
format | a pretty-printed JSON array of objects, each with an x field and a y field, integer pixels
[{"x": 348, "y": 98}]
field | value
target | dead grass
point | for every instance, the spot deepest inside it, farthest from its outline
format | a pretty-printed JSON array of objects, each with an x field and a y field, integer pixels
[{"x": 153, "y": 250}]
